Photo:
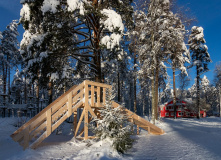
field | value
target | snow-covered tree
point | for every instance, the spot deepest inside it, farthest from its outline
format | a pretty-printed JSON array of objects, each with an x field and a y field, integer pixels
[
  {"x": 48, "y": 42},
  {"x": 113, "y": 125},
  {"x": 184, "y": 81},
  {"x": 200, "y": 56},
  {"x": 9, "y": 54},
  {"x": 217, "y": 80}
]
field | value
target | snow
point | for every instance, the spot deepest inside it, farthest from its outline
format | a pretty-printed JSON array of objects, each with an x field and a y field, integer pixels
[
  {"x": 76, "y": 4},
  {"x": 111, "y": 41},
  {"x": 184, "y": 139},
  {"x": 50, "y": 6},
  {"x": 113, "y": 20},
  {"x": 25, "y": 12}
]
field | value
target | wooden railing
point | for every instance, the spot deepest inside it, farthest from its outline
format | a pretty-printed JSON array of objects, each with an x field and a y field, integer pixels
[{"x": 88, "y": 95}]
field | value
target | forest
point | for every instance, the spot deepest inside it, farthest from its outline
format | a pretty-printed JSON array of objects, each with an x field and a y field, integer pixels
[{"x": 129, "y": 44}]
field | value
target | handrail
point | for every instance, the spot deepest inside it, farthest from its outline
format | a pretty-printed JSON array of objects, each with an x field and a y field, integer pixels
[
  {"x": 89, "y": 95},
  {"x": 43, "y": 111}
]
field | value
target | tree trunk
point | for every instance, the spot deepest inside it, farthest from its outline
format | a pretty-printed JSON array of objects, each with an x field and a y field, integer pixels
[
  {"x": 220, "y": 101},
  {"x": 135, "y": 83},
  {"x": 97, "y": 54},
  {"x": 4, "y": 83},
  {"x": 50, "y": 91},
  {"x": 9, "y": 90},
  {"x": 198, "y": 91},
  {"x": 25, "y": 89},
  {"x": 37, "y": 91},
  {"x": 118, "y": 87},
  {"x": 174, "y": 93},
  {"x": 156, "y": 90},
  {"x": 153, "y": 97}
]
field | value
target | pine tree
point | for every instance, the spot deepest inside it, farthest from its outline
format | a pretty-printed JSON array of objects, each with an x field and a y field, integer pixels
[
  {"x": 10, "y": 56},
  {"x": 200, "y": 57},
  {"x": 47, "y": 43},
  {"x": 113, "y": 125},
  {"x": 217, "y": 80}
]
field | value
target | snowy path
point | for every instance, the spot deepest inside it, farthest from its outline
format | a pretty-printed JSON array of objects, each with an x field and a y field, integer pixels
[{"x": 185, "y": 139}]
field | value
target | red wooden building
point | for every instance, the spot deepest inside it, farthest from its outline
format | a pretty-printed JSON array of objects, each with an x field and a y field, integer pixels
[{"x": 183, "y": 109}]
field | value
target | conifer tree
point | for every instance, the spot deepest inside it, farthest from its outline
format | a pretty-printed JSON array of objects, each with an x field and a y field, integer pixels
[
  {"x": 10, "y": 56},
  {"x": 113, "y": 125},
  {"x": 200, "y": 57}
]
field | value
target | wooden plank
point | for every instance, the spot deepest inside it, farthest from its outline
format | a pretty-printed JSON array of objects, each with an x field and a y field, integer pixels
[
  {"x": 91, "y": 112},
  {"x": 82, "y": 131},
  {"x": 78, "y": 105},
  {"x": 26, "y": 138},
  {"x": 42, "y": 112},
  {"x": 104, "y": 96},
  {"x": 69, "y": 104},
  {"x": 58, "y": 123},
  {"x": 92, "y": 95},
  {"x": 59, "y": 113},
  {"x": 39, "y": 140},
  {"x": 79, "y": 87},
  {"x": 138, "y": 129},
  {"x": 98, "y": 96},
  {"x": 38, "y": 130},
  {"x": 79, "y": 95},
  {"x": 96, "y": 84},
  {"x": 75, "y": 120},
  {"x": 79, "y": 123},
  {"x": 59, "y": 104},
  {"x": 138, "y": 120},
  {"x": 38, "y": 122},
  {"x": 86, "y": 94},
  {"x": 48, "y": 122}
]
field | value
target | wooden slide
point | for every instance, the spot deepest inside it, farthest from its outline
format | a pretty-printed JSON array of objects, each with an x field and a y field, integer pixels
[{"x": 88, "y": 96}]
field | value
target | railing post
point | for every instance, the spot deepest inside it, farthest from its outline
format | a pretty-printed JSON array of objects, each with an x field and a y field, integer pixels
[
  {"x": 70, "y": 104},
  {"x": 92, "y": 96},
  {"x": 104, "y": 96},
  {"x": 98, "y": 96},
  {"x": 86, "y": 111},
  {"x": 75, "y": 121},
  {"x": 48, "y": 115}
]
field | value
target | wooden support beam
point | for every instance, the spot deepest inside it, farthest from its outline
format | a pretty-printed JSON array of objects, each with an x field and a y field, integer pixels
[
  {"x": 96, "y": 84},
  {"x": 38, "y": 130},
  {"x": 48, "y": 121},
  {"x": 39, "y": 140},
  {"x": 75, "y": 121},
  {"x": 82, "y": 131},
  {"x": 86, "y": 107},
  {"x": 26, "y": 138},
  {"x": 70, "y": 104},
  {"x": 79, "y": 123},
  {"x": 92, "y": 96},
  {"x": 104, "y": 96},
  {"x": 138, "y": 130},
  {"x": 98, "y": 96}
]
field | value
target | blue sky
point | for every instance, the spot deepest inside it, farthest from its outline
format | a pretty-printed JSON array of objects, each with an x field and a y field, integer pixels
[{"x": 208, "y": 14}]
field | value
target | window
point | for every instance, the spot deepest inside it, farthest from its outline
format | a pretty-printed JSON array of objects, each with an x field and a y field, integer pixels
[
  {"x": 167, "y": 108},
  {"x": 180, "y": 113},
  {"x": 172, "y": 114},
  {"x": 167, "y": 114},
  {"x": 172, "y": 108}
]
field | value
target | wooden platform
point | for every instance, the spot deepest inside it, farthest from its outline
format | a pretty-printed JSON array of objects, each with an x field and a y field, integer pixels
[{"x": 89, "y": 96}]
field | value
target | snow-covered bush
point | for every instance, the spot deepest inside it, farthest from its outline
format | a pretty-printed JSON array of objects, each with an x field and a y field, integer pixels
[{"x": 113, "y": 125}]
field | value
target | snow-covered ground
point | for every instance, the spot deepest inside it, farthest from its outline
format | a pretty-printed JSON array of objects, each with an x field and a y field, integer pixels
[{"x": 184, "y": 139}]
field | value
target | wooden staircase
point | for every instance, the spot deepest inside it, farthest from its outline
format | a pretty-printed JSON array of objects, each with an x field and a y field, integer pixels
[{"x": 89, "y": 96}]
